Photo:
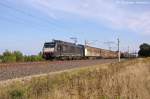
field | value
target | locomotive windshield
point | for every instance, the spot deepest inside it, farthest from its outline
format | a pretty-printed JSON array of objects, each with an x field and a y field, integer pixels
[{"x": 49, "y": 45}]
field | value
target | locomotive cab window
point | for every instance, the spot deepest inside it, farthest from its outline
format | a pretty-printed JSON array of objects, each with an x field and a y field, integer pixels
[{"x": 49, "y": 45}]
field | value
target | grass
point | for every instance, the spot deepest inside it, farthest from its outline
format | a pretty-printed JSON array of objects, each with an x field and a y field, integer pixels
[{"x": 125, "y": 80}]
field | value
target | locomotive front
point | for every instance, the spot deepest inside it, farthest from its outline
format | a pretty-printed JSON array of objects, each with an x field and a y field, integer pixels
[{"x": 48, "y": 50}]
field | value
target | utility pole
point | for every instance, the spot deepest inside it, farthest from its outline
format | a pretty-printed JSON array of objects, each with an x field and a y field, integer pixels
[
  {"x": 128, "y": 52},
  {"x": 118, "y": 49},
  {"x": 85, "y": 43}
]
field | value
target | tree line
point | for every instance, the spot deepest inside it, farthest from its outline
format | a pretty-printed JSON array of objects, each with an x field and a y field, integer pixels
[{"x": 17, "y": 56}]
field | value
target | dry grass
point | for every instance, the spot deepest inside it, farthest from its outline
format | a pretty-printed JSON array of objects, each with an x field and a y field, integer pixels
[{"x": 125, "y": 80}]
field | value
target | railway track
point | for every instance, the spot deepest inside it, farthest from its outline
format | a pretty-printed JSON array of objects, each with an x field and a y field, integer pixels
[{"x": 18, "y": 70}]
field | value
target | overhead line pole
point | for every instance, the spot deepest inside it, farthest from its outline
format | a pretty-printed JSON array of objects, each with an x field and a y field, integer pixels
[
  {"x": 128, "y": 52},
  {"x": 118, "y": 50}
]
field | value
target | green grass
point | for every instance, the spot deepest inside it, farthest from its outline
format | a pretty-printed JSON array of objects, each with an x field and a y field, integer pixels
[{"x": 111, "y": 81}]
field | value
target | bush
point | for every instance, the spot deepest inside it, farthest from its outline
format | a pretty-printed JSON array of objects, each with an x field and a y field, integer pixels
[
  {"x": 17, "y": 91},
  {"x": 8, "y": 57},
  {"x": 16, "y": 94},
  {"x": 33, "y": 58},
  {"x": 26, "y": 58}
]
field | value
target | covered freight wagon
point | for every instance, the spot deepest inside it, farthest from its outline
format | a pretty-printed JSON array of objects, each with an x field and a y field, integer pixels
[
  {"x": 99, "y": 53},
  {"x": 92, "y": 52}
]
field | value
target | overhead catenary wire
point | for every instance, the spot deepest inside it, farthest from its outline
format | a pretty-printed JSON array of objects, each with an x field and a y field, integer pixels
[{"x": 109, "y": 44}]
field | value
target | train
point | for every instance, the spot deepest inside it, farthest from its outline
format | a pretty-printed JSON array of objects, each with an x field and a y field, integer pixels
[{"x": 58, "y": 49}]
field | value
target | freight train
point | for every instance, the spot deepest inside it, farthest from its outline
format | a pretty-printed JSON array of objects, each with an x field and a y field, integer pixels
[{"x": 58, "y": 49}]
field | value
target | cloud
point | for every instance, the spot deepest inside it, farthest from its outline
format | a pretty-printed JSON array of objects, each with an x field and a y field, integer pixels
[{"x": 112, "y": 14}]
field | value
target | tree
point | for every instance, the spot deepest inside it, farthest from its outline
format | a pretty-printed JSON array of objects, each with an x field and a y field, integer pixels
[
  {"x": 19, "y": 56},
  {"x": 144, "y": 50},
  {"x": 1, "y": 57}
]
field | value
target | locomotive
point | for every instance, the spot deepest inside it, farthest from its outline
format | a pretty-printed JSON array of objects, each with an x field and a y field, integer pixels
[{"x": 65, "y": 50}]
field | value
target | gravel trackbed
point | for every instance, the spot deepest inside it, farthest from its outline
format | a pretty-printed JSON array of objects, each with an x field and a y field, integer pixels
[{"x": 18, "y": 70}]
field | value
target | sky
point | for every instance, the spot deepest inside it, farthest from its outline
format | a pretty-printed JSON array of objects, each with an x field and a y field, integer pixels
[{"x": 26, "y": 24}]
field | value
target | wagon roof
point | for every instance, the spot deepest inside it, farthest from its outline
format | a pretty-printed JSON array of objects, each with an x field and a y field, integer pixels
[{"x": 98, "y": 48}]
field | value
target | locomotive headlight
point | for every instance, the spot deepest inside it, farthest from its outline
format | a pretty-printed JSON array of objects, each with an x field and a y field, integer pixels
[{"x": 48, "y": 49}]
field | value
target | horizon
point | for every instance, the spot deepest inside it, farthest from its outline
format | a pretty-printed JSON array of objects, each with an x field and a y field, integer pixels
[{"x": 27, "y": 24}]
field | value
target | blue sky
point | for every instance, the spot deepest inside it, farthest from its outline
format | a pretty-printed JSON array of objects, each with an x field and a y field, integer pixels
[{"x": 27, "y": 24}]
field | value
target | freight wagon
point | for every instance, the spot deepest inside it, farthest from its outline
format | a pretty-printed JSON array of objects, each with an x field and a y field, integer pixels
[
  {"x": 66, "y": 50},
  {"x": 92, "y": 52}
]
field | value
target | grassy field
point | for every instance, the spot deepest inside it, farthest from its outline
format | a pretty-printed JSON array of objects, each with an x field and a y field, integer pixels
[{"x": 125, "y": 80}]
